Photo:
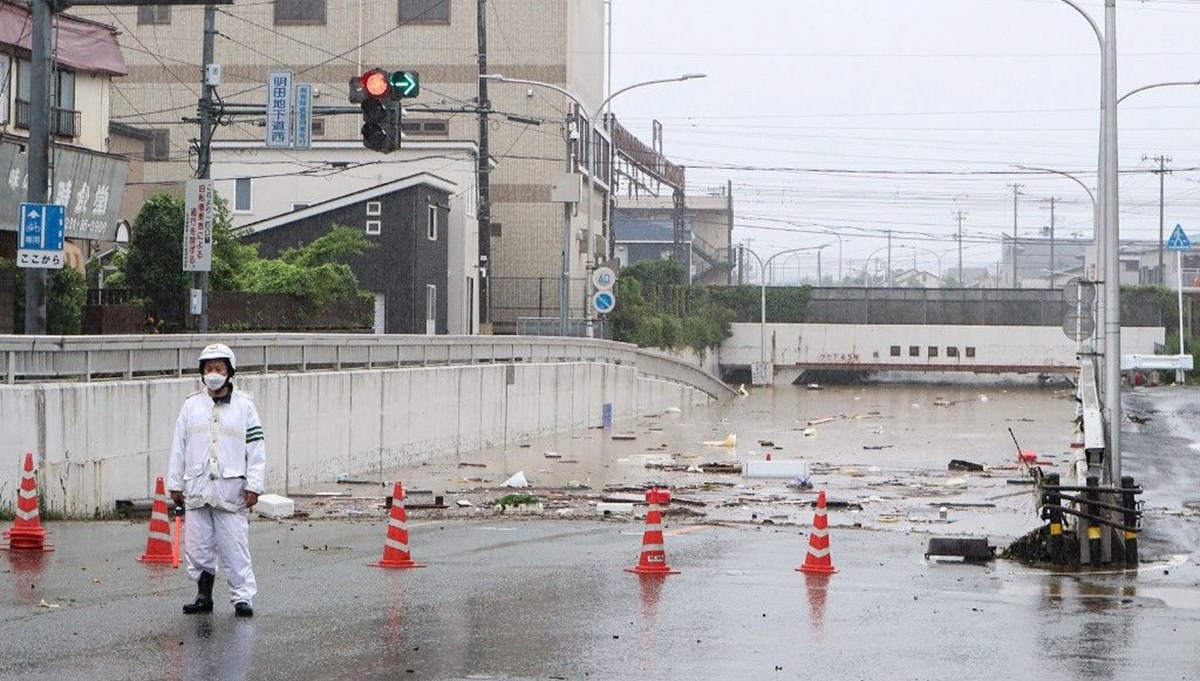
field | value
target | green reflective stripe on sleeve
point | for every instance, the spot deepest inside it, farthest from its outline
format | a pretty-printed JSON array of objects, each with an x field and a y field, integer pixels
[{"x": 254, "y": 434}]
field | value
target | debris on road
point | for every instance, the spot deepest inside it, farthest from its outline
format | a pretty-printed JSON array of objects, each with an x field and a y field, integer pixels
[
  {"x": 624, "y": 436},
  {"x": 517, "y": 480},
  {"x": 961, "y": 465},
  {"x": 729, "y": 441},
  {"x": 878, "y": 446}
]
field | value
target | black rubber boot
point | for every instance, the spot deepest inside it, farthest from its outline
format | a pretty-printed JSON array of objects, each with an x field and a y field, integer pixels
[
  {"x": 243, "y": 609},
  {"x": 203, "y": 602}
]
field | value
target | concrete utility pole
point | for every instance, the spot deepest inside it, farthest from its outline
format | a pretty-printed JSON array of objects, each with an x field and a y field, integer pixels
[
  {"x": 1016, "y": 192},
  {"x": 564, "y": 293},
  {"x": 204, "y": 147},
  {"x": 483, "y": 177},
  {"x": 38, "y": 171},
  {"x": 1161, "y": 171},
  {"x": 961, "y": 216},
  {"x": 1053, "y": 262},
  {"x": 889, "y": 247}
]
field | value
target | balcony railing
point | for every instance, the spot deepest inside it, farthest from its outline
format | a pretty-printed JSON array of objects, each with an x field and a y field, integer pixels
[{"x": 63, "y": 122}]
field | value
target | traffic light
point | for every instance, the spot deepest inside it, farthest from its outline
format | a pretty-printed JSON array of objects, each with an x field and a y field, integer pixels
[{"x": 380, "y": 111}]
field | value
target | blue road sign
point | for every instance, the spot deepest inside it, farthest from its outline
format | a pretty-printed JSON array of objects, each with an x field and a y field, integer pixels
[
  {"x": 1178, "y": 241},
  {"x": 604, "y": 301},
  {"x": 41, "y": 227}
]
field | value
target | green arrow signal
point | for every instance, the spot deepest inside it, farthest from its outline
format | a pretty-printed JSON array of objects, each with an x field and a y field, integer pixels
[{"x": 407, "y": 84}]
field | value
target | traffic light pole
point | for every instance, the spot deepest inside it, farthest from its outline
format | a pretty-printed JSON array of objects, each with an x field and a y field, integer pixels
[{"x": 483, "y": 177}]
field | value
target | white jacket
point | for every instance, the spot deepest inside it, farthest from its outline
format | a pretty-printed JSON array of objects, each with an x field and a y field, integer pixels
[{"x": 215, "y": 443}]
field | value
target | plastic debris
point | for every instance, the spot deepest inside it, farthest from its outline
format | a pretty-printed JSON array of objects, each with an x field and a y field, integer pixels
[
  {"x": 517, "y": 480},
  {"x": 729, "y": 441},
  {"x": 463, "y": 503},
  {"x": 800, "y": 482},
  {"x": 673, "y": 410}
]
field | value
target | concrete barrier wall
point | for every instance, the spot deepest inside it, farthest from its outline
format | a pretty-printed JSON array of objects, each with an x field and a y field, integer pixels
[{"x": 98, "y": 442}]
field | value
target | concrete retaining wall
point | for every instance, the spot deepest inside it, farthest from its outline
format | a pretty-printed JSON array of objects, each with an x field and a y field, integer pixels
[{"x": 95, "y": 443}]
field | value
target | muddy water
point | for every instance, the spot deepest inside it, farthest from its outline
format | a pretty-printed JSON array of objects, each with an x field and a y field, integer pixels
[{"x": 882, "y": 450}]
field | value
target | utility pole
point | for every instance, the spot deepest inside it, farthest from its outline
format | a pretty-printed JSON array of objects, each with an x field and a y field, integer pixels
[
  {"x": 889, "y": 247},
  {"x": 38, "y": 172},
  {"x": 1016, "y": 192},
  {"x": 1162, "y": 162},
  {"x": 204, "y": 146},
  {"x": 483, "y": 178},
  {"x": 961, "y": 216},
  {"x": 1053, "y": 262},
  {"x": 564, "y": 292}
]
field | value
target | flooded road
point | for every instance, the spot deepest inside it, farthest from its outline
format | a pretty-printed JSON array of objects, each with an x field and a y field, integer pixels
[
  {"x": 517, "y": 599},
  {"x": 884, "y": 449}
]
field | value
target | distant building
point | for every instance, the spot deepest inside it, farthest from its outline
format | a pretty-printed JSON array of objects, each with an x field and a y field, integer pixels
[{"x": 644, "y": 228}]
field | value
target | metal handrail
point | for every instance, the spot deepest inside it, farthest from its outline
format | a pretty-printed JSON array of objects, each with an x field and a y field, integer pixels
[{"x": 88, "y": 358}]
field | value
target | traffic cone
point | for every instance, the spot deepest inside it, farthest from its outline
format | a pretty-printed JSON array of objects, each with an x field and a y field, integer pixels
[
  {"x": 818, "y": 560},
  {"x": 395, "y": 546},
  {"x": 653, "y": 559},
  {"x": 768, "y": 456},
  {"x": 158, "y": 545},
  {"x": 27, "y": 533}
]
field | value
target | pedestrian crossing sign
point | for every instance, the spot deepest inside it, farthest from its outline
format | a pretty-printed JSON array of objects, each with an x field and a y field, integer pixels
[{"x": 1178, "y": 241}]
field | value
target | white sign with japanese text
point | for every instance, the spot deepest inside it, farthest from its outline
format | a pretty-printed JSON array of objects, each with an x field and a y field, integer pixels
[
  {"x": 198, "y": 226},
  {"x": 279, "y": 109},
  {"x": 304, "y": 116}
]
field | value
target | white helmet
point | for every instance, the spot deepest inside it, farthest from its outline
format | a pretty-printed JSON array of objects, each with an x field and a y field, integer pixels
[{"x": 219, "y": 351}]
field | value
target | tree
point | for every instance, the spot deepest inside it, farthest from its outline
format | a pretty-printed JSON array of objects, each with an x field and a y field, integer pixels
[
  {"x": 316, "y": 272},
  {"x": 658, "y": 309},
  {"x": 153, "y": 269}
]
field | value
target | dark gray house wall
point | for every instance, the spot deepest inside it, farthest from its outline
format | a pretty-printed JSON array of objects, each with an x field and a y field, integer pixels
[{"x": 405, "y": 260}]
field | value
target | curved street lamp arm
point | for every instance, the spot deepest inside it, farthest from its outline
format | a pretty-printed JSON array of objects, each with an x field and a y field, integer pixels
[
  {"x": 627, "y": 88},
  {"x": 1091, "y": 22},
  {"x": 1069, "y": 176},
  {"x": 567, "y": 93},
  {"x": 1151, "y": 87}
]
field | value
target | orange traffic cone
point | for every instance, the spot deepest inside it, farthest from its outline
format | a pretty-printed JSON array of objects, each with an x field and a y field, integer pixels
[
  {"x": 158, "y": 545},
  {"x": 395, "y": 546},
  {"x": 27, "y": 533},
  {"x": 818, "y": 559},
  {"x": 768, "y": 456},
  {"x": 653, "y": 559}
]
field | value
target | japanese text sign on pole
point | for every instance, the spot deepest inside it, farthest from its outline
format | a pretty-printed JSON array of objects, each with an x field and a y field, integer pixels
[
  {"x": 304, "y": 116},
  {"x": 279, "y": 109},
  {"x": 198, "y": 226},
  {"x": 40, "y": 241},
  {"x": 1178, "y": 241}
]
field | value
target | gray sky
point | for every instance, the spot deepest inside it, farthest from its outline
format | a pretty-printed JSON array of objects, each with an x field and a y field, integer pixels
[{"x": 925, "y": 100}]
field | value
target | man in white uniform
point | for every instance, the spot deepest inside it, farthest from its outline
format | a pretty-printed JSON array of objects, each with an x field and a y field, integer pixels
[{"x": 217, "y": 470}]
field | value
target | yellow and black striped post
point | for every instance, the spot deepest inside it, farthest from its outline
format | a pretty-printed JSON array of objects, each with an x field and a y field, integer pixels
[
  {"x": 1129, "y": 501},
  {"x": 1094, "y": 528}
]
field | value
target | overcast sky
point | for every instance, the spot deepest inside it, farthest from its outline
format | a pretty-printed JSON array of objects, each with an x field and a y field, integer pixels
[{"x": 929, "y": 104}]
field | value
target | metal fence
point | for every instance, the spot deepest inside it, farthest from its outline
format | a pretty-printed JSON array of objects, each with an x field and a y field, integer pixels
[{"x": 515, "y": 298}]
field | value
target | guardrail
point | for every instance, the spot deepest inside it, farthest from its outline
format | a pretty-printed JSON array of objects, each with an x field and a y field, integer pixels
[{"x": 89, "y": 358}]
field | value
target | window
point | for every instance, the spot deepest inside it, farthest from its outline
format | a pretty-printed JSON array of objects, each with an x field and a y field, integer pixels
[
  {"x": 64, "y": 120},
  {"x": 432, "y": 222},
  {"x": 158, "y": 146},
  {"x": 430, "y": 306},
  {"x": 374, "y": 227},
  {"x": 154, "y": 14},
  {"x": 428, "y": 127},
  {"x": 933, "y": 351},
  {"x": 241, "y": 194},
  {"x": 970, "y": 352},
  {"x": 424, "y": 11},
  {"x": 895, "y": 351},
  {"x": 300, "y": 12},
  {"x": 952, "y": 351},
  {"x": 374, "y": 208},
  {"x": 5, "y": 64},
  {"x": 318, "y": 127},
  {"x": 914, "y": 351}
]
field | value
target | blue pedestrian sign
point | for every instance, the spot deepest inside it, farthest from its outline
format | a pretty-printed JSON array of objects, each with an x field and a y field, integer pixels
[
  {"x": 604, "y": 302},
  {"x": 1178, "y": 241},
  {"x": 40, "y": 239}
]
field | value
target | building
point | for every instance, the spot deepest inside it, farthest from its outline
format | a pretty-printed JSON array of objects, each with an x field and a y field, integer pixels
[
  {"x": 407, "y": 270},
  {"x": 558, "y": 42},
  {"x": 85, "y": 177},
  {"x": 645, "y": 228}
]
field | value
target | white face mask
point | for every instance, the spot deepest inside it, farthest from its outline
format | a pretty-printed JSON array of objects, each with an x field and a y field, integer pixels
[{"x": 214, "y": 381}]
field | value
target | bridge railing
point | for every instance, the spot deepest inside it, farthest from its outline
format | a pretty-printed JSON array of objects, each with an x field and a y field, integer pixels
[{"x": 88, "y": 358}]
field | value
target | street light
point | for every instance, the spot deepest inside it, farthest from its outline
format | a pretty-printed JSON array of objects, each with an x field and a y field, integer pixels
[
  {"x": 762, "y": 301},
  {"x": 591, "y": 166}
]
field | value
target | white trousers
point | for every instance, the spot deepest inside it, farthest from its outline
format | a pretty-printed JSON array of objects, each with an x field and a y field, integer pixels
[{"x": 214, "y": 536}]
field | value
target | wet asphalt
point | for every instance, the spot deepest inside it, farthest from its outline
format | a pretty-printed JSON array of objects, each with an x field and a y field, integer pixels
[{"x": 549, "y": 598}]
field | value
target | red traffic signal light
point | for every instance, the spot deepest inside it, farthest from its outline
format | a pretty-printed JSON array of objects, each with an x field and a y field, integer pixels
[{"x": 375, "y": 84}]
